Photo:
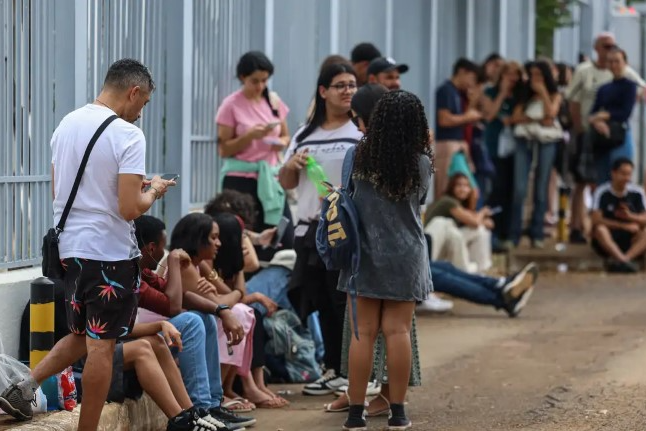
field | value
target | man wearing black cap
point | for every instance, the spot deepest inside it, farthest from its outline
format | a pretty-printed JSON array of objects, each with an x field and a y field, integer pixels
[
  {"x": 361, "y": 56},
  {"x": 386, "y": 71}
]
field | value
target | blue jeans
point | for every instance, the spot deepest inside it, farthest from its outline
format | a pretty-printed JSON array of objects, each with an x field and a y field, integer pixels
[
  {"x": 473, "y": 288},
  {"x": 273, "y": 282},
  {"x": 603, "y": 163},
  {"x": 199, "y": 360},
  {"x": 522, "y": 166}
]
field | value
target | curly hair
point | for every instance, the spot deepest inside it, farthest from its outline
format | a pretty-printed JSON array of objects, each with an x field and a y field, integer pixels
[
  {"x": 234, "y": 202},
  {"x": 398, "y": 135}
]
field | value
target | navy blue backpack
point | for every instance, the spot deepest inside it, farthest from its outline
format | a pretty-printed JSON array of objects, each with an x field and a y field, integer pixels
[{"x": 337, "y": 235}]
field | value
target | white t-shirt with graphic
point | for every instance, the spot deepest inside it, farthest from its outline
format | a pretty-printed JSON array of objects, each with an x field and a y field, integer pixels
[
  {"x": 94, "y": 228},
  {"x": 328, "y": 148}
]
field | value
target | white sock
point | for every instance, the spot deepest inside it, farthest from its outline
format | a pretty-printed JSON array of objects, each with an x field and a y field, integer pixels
[
  {"x": 28, "y": 387},
  {"x": 501, "y": 282}
]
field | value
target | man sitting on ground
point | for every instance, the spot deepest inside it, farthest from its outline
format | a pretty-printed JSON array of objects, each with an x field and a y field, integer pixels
[{"x": 619, "y": 219}]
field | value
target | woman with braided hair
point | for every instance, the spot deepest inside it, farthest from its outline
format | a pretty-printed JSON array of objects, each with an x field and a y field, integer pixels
[{"x": 392, "y": 174}]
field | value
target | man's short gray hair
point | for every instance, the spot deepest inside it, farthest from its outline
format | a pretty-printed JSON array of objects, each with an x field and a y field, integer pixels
[{"x": 127, "y": 73}]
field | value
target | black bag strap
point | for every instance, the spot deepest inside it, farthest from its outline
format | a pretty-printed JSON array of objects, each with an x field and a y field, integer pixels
[{"x": 79, "y": 174}]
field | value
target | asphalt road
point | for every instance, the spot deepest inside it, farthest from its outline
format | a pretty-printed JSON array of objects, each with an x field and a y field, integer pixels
[{"x": 574, "y": 360}]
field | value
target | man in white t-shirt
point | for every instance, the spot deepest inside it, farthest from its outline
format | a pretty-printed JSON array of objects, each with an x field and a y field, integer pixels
[
  {"x": 581, "y": 92},
  {"x": 98, "y": 247}
]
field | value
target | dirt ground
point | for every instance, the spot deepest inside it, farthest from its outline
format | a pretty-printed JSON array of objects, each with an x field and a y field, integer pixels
[{"x": 574, "y": 360}]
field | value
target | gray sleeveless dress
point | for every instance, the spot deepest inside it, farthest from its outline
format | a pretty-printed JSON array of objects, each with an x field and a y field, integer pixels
[{"x": 394, "y": 255}]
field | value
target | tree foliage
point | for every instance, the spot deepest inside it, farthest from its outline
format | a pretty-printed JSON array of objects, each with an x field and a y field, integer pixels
[{"x": 550, "y": 15}]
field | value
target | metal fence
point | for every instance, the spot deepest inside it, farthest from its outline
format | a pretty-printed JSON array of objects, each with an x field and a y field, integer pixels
[{"x": 56, "y": 55}]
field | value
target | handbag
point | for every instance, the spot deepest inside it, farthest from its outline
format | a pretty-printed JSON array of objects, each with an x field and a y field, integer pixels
[
  {"x": 602, "y": 143},
  {"x": 506, "y": 143},
  {"x": 51, "y": 264},
  {"x": 535, "y": 131}
]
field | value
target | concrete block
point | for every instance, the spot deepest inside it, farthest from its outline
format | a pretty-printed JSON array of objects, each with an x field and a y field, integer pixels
[{"x": 14, "y": 291}]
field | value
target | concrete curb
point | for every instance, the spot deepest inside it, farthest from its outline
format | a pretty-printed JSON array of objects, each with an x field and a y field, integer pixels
[{"x": 141, "y": 415}]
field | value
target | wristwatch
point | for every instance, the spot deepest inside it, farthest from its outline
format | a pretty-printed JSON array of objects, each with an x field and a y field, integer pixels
[{"x": 220, "y": 308}]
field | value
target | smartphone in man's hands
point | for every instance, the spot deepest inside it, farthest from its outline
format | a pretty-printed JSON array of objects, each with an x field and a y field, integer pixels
[{"x": 170, "y": 177}]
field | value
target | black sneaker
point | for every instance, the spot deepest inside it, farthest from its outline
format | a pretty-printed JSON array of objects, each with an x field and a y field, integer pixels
[
  {"x": 517, "y": 284},
  {"x": 397, "y": 420},
  {"x": 191, "y": 421},
  {"x": 227, "y": 416},
  {"x": 12, "y": 401},
  {"x": 356, "y": 419},
  {"x": 622, "y": 267},
  {"x": 576, "y": 237},
  {"x": 515, "y": 306}
]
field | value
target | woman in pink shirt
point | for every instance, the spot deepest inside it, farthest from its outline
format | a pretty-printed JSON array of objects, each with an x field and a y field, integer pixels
[{"x": 252, "y": 134}]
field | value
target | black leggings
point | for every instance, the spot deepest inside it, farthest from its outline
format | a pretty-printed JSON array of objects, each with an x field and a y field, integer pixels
[{"x": 259, "y": 340}]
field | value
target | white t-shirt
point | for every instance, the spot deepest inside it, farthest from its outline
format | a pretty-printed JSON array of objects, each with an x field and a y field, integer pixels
[
  {"x": 94, "y": 228},
  {"x": 328, "y": 148},
  {"x": 586, "y": 81}
]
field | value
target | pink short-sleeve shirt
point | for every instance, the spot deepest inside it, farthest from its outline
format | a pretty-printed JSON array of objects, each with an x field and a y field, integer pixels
[{"x": 242, "y": 114}]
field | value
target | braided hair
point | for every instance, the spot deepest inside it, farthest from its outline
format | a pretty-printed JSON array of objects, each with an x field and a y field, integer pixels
[{"x": 398, "y": 135}]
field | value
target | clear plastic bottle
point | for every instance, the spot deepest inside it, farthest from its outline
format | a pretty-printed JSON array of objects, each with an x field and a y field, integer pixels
[{"x": 317, "y": 175}]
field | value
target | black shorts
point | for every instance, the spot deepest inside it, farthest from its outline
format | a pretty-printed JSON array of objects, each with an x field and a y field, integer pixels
[
  {"x": 101, "y": 297},
  {"x": 622, "y": 238}
]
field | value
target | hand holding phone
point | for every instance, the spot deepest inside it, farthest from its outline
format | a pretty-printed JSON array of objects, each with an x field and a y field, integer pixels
[
  {"x": 170, "y": 177},
  {"x": 495, "y": 210},
  {"x": 280, "y": 232},
  {"x": 272, "y": 125}
]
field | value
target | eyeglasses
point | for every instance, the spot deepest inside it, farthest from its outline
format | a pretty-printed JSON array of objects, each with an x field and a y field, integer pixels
[
  {"x": 609, "y": 46},
  {"x": 353, "y": 118},
  {"x": 341, "y": 86}
]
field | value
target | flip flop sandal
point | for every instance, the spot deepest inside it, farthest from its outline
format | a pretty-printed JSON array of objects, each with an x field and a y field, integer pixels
[
  {"x": 246, "y": 402},
  {"x": 383, "y": 412},
  {"x": 232, "y": 405},
  {"x": 328, "y": 408},
  {"x": 269, "y": 404}
]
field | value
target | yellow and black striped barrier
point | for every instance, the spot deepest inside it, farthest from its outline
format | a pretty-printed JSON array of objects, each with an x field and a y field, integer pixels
[
  {"x": 41, "y": 320},
  {"x": 564, "y": 200}
]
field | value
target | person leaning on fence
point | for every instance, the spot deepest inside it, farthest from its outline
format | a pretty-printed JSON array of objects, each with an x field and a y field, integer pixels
[
  {"x": 98, "y": 247},
  {"x": 619, "y": 219},
  {"x": 252, "y": 133},
  {"x": 610, "y": 116},
  {"x": 451, "y": 119}
]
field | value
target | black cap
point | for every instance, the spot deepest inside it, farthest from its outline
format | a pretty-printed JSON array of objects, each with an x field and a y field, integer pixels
[
  {"x": 382, "y": 64},
  {"x": 365, "y": 100},
  {"x": 364, "y": 52}
]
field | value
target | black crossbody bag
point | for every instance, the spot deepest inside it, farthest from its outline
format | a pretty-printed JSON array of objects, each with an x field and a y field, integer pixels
[{"x": 52, "y": 266}]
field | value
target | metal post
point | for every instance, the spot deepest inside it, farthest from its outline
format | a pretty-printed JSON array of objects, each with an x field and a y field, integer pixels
[{"x": 41, "y": 320}]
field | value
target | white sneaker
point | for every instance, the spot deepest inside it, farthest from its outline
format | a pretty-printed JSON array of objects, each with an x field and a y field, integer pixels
[
  {"x": 326, "y": 385},
  {"x": 435, "y": 304},
  {"x": 373, "y": 389}
]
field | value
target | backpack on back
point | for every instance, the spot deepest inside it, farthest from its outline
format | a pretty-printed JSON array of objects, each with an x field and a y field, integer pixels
[{"x": 337, "y": 235}]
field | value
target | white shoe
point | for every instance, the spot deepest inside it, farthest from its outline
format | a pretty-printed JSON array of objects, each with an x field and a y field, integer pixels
[
  {"x": 435, "y": 304},
  {"x": 373, "y": 389},
  {"x": 326, "y": 385}
]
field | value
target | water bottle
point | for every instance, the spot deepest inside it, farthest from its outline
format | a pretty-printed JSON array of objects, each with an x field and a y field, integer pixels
[
  {"x": 317, "y": 175},
  {"x": 50, "y": 389}
]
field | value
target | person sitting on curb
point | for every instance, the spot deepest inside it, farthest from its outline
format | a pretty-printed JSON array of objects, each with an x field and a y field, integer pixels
[
  {"x": 162, "y": 298},
  {"x": 619, "y": 219},
  {"x": 145, "y": 363}
]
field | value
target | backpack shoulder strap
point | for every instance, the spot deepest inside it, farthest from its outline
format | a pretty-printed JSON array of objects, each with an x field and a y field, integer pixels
[
  {"x": 79, "y": 174},
  {"x": 348, "y": 167}
]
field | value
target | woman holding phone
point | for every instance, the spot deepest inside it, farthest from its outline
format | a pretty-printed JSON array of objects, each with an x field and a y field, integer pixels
[{"x": 252, "y": 134}]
